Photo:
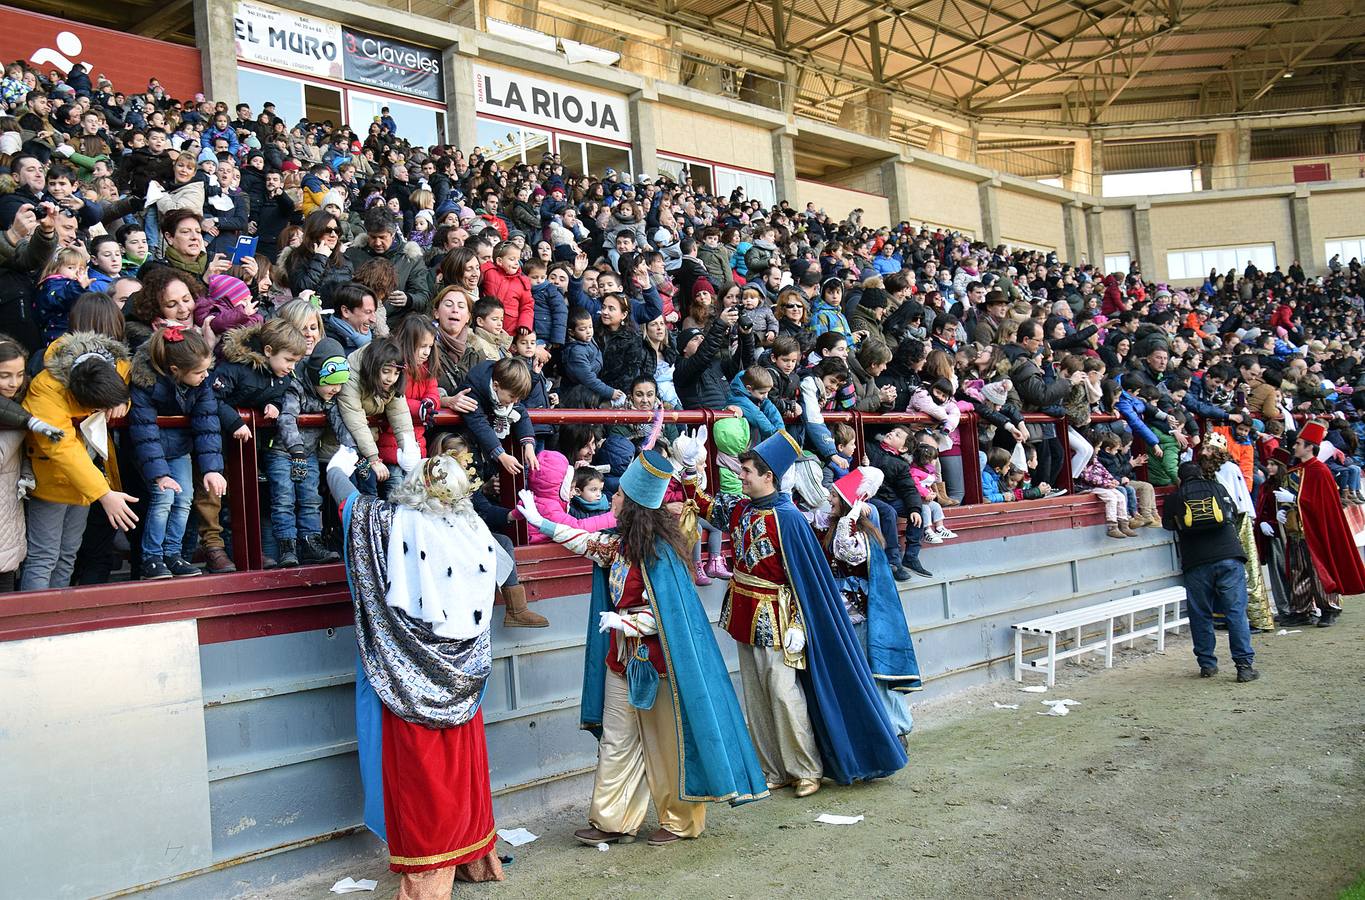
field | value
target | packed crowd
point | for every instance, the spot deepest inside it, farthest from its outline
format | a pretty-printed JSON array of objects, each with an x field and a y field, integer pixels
[{"x": 169, "y": 258}]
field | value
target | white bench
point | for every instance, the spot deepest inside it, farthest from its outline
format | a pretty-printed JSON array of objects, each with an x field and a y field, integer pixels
[{"x": 1164, "y": 602}]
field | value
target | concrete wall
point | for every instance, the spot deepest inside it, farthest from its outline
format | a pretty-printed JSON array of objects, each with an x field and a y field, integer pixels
[
  {"x": 1265, "y": 172},
  {"x": 719, "y": 139},
  {"x": 1117, "y": 223},
  {"x": 839, "y": 201},
  {"x": 942, "y": 199},
  {"x": 1029, "y": 220},
  {"x": 1219, "y": 223},
  {"x": 1336, "y": 214}
]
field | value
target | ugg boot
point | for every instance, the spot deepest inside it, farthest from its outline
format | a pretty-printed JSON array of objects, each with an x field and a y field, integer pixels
[
  {"x": 516, "y": 614},
  {"x": 699, "y": 577},
  {"x": 1151, "y": 517},
  {"x": 716, "y": 568},
  {"x": 1113, "y": 530},
  {"x": 1126, "y": 528}
]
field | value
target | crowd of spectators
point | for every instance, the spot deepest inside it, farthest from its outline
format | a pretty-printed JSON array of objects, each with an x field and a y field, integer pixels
[{"x": 162, "y": 257}]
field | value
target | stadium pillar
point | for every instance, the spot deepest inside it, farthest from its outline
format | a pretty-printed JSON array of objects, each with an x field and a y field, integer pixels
[
  {"x": 784, "y": 166},
  {"x": 1232, "y": 157},
  {"x": 215, "y": 33},
  {"x": 644, "y": 140},
  {"x": 1305, "y": 249},
  {"x": 1142, "y": 236},
  {"x": 1094, "y": 235},
  {"x": 895, "y": 185},
  {"x": 990, "y": 211},
  {"x": 457, "y": 71},
  {"x": 1073, "y": 222}
]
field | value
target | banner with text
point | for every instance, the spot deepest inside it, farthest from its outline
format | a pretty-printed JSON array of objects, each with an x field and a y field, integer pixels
[
  {"x": 287, "y": 40},
  {"x": 392, "y": 65},
  {"x": 534, "y": 101}
]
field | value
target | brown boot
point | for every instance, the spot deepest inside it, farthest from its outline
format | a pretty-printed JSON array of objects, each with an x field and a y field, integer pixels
[
  {"x": 218, "y": 561},
  {"x": 1151, "y": 518},
  {"x": 1113, "y": 530},
  {"x": 1126, "y": 528},
  {"x": 516, "y": 614}
]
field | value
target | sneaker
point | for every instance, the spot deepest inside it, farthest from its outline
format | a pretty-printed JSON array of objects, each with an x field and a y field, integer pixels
[
  {"x": 699, "y": 575},
  {"x": 154, "y": 569},
  {"x": 944, "y": 533},
  {"x": 181, "y": 567},
  {"x": 1246, "y": 673},
  {"x": 1208, "y": 671},
  {"x": 932, "y": 537}
]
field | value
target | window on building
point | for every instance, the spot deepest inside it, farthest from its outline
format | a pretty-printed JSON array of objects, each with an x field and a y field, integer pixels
[
  {"x": 259, "y": 88},
  {"x": 1133, "y": 184},
  {"x": 510, "y": 144},
  {"x": 1190, "y": 265},
  {"x": 756, "y": 187},
  {"x": 601, "y": 157},
  {"x": 1117, "y": 262},
  {"x": 419, "y": 125},
  {"x": 679, "y": 170},
  {"x": 1347, "y": 248}
]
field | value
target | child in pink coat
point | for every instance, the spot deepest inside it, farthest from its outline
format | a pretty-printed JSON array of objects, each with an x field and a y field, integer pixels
[{"x": 551, "y": 484}]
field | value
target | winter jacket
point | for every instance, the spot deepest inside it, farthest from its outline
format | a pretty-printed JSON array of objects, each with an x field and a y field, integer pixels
[
  {"x": 826, "y": 317},
  {"x": 548, "y": 485},
  {"x": 156, "y": 394},
  {"x": 56, "y": 296},
  {"x": 732, "y": 438},
  {"x": 897, "y": 483},
  {"x": 231, "y": 213},
  {"x": 759, "y": 257},
  {"x": 13, "y": 534},
  {"x": 415, "y": 390},
  {"x": 624, "y": 356},
  {"x": 1095, "y": 476},
  {"x": 716, "y": 260},
  {"x": 991, "y": 488},
  {"x": 1133, "y": 409},
  {"x": 551, "y": 313},
  {"x": 226, "y": 317},
  {"x": 581, "y": 364},
  {"x": 526, "y": 219},
  {"x": 243, "y": 378},
  {"x": 297, "y": 440},
  {"x": 413, "y": 279},
  {"x": 513, "y": 292},
  {"x": 762, "y": 417},
  {"x": 480, "y": 423},
  {"x": 703, "y": 379},
  {"x": 64, "y": 470},
  {"x": 316, "y": 272},
  {"x": 946, "y": 419},
  {"x": 357, "y": 405}
]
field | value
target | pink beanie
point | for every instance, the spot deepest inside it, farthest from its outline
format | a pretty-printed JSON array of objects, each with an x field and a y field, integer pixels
[{"x": 232, "y": 290}]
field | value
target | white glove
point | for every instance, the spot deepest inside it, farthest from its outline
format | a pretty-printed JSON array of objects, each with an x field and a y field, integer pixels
[
  {"x": 1282, "y": 516},
  {"x": 794, "y": 641},
  {"x": 66, "y": 150},
  {"x": 154, "y": 192},
  {"x": 526, "y": 505},
  {"x": 1267, "y": 529},
  {"x": 858, "y": 508},
  {"x": 608, "y": 620},
  {"x": 408, "y": 455},
  {"x": 344, "y": 461},
  {"x": 1285, "y": 497},
  {"x": 25, "y": 485}
]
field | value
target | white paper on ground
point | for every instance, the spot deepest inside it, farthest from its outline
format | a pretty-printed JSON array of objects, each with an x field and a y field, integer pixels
[
  {"x": 516, "y": 836},
  {"x": 1058, "y": 710},
  {"x": 1006, "y": 705},
  {"x": 603, "y": 847},
  {"x": 1035, "y": 689},
  {"x": 1067, "y": 702},
  {"x": 349, "y": 885},
  {"x": 831, "y": 819},
  {"x": 1284, "y": 631}
]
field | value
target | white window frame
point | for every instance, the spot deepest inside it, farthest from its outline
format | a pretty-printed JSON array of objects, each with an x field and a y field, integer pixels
[
  {"x": 1117, "y": 262},
  {"x": 1347, "y": 247},
  {"x": 1193, "y": 264},
  {"x": 762, "y": 188},
  {"x": 677, "y": 164},
  {"x": 402, "y": 110}
]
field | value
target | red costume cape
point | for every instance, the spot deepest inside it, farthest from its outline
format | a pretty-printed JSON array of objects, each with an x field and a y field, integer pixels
[{"x": 1329, "y": 538}]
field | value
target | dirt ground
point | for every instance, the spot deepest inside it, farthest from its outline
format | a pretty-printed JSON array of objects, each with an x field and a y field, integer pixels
[{"x": 1159, "y": 784}]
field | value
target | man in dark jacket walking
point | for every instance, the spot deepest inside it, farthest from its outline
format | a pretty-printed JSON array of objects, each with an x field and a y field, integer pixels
[{"x": 1213, "y": 567}]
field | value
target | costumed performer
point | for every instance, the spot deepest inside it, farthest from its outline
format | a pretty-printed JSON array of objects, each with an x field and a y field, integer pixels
[
  {"x": 812, "y": 706},
  {"x": 422, "y": 568},
  {"x": 656, "y": 690},
  {"x": 855, "y": 550},
  {"x": 1322, "y": 561}
]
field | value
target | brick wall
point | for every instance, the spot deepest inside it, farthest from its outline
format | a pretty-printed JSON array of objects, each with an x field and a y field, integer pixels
[
  {"x": 1220, "y": 223},
  {"x": 942, "y": 199},
  {"x": 1030, "y": 221}
]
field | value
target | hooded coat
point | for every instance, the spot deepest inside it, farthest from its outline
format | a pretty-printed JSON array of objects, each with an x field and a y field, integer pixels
[
  {"x": 546, "y": 483},
  {"x": 244, "y": 378},
  {"x": 156, "y": 394}
]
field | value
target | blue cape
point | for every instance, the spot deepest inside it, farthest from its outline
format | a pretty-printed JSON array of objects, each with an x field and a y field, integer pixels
[
  {"x": 890, "y": 652},
  {"x": 856, "y": 739},
  {"x": 716, "y": 756}
]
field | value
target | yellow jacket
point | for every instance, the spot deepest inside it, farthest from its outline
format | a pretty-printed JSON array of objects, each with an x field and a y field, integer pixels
[{"x": 64, "y": 471}]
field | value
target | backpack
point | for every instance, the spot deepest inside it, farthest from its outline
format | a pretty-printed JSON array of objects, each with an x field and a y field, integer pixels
[{"x": 1201, "y": 508}]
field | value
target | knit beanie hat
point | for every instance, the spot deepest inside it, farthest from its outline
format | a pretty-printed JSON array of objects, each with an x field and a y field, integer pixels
[
  {"x": 228, "y": 289},
  {"x": 703, "y": 284},
  {"x": 996, "y": 393},
  {"x": 327, "y": 363},
  {"x": 874, "y": 298}
]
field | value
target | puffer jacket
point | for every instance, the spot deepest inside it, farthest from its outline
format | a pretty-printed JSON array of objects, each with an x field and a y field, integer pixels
[
  {"x": 156, "y": 394},
  {"x": 732, "y": 438},
  {"x": 415, "y": 390},
  {"x": 64, "y": 471},
  {"x": 513, "y": 292},
  {"x": 547, "y": 483},
  {"x": 762, "y": 417},
  {"x": 293, "y": 439},
  {"x": 243, "y": 378}
]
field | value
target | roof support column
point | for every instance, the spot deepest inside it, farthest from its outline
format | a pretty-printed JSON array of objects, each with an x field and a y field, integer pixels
[
  {"x": 1232, "y": 157},
  {"x": 215, "y": 33},
  {"x": 1301, "y": 224},
  {"x": 990, "y": 211},
  {"x": 784, "y": 165}
]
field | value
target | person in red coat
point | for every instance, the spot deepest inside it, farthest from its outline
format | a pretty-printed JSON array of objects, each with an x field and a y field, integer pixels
[
  {"x": 1322, "y": 560},
  {"x": 502, "y": 278},
  {"x": 416, "y": 340}
]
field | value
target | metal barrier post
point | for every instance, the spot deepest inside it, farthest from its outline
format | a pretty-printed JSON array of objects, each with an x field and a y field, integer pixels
[
  {"x": 1064, "y": 438},
  {"x": 969, "y": 441}
]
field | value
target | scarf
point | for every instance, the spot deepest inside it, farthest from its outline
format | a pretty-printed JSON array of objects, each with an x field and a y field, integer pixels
[
  {"x": 453, "y": 346},
  {"x": 504, "y": 417},
  {"x": 359, "y": 339},
  {"x": 196, "y": 266}
]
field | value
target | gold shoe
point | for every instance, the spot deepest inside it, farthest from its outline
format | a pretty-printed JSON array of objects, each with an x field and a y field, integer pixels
[
  {"x": 777, "y": 785},
  {"x": 806, "y": 786}
]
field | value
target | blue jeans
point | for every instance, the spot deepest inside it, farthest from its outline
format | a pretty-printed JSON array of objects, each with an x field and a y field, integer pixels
[
  {"x": 896, "y": 552},
  {"x": 168, "y": 511},
  {"x": 1218, "y": 587},
  {"x": 1132, "y": 500},
  {"x": 295, "y": 506}
]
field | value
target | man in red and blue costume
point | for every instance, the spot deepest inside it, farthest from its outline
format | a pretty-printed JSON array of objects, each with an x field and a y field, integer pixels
[{"x": 812, "y": 706}]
